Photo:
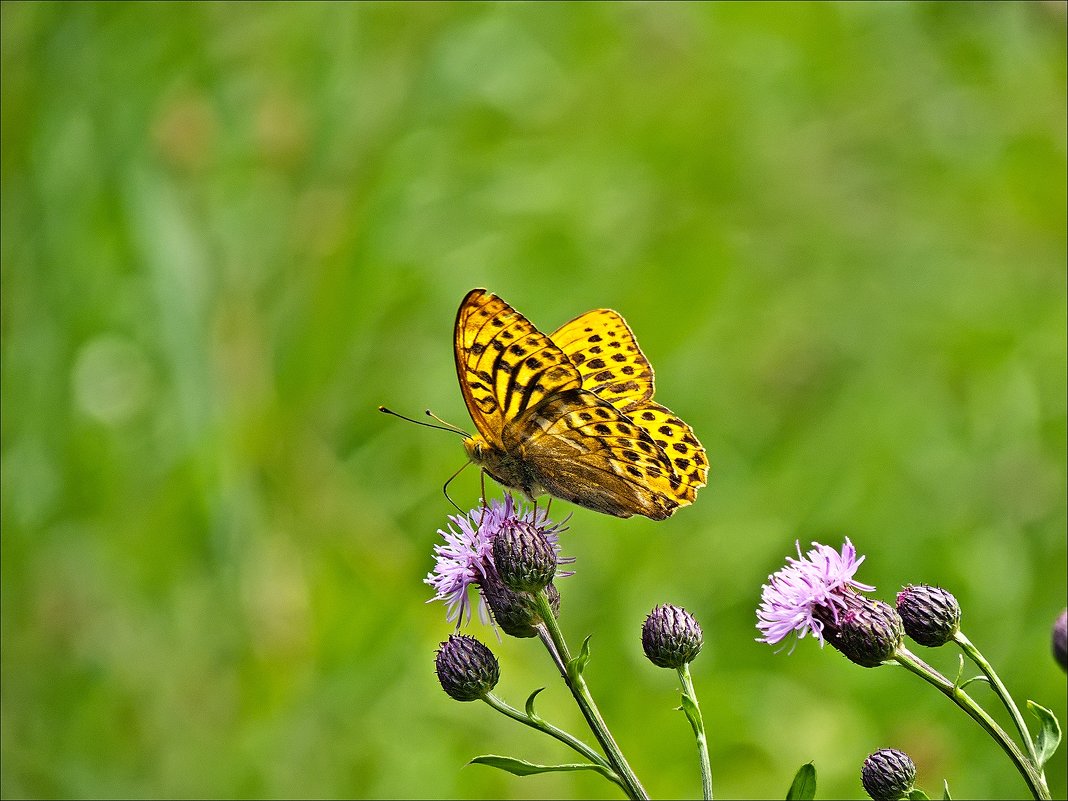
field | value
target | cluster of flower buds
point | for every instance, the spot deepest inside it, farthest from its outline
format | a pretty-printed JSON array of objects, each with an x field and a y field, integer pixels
[{"x": 817, "y": 594}]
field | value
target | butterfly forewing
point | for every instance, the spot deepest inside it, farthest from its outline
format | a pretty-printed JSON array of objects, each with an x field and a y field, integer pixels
[
  {"x": 504, "y": 364},
  {"x": 603, "y": 348}
]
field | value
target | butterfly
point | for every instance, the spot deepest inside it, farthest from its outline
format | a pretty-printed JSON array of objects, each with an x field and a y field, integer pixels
[{"x": 571, "y": 414}]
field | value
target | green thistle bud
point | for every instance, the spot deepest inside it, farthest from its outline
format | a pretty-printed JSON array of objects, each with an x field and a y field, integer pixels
[
  {"x": 671, "y": 637},
  {"x": 888, "y": 775},
  {"x": 466, "y": 668},
  {"x": 931, "y": 615}
]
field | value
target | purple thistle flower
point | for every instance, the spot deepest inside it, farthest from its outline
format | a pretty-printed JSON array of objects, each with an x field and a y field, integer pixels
[
  {"x": 819, "y": 579},
  {"x": 466, "y": 557}
]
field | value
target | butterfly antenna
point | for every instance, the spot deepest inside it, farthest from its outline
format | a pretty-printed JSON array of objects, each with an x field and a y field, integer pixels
[
  {"x": 445, "y": 487},
  {"x": 448, "y": 426},
  {"x": 444, "y": 427}
]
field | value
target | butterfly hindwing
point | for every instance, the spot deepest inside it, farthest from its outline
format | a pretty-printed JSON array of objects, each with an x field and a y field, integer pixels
[
  {"x": 603, "y": 348},
  {"x": 679, "y": 444},
  {"x": 581, "y": 448}
]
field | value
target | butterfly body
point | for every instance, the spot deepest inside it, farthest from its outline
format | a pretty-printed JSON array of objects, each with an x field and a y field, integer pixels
[{"x": 571, "y": 415}]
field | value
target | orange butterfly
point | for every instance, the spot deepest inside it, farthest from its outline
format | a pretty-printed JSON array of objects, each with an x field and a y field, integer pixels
[{"x": 571, "y": 414}]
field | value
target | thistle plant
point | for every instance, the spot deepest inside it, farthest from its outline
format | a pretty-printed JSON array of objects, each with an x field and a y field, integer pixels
[
  {"x": 817, "y": 594},
  {"x": 509, "y": 555}
]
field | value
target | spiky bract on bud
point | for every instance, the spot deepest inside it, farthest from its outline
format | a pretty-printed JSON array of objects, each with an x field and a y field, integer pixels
[
  {"x": 671, "y": 636},
  {"x": 524, "y": 557},
  {"x": 866, "y": 631},
  {"x": 931, "y": 615},
  {"x": 1060, "y": 640},
  {"x": 888, "y": 775},
  {"x": 466, "y": 668}
]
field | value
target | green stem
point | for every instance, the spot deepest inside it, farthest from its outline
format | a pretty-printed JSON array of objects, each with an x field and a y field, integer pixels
[
  {"x": 698, "y": 723},
  {"x": 976, "y": 656},
  {"x": 913, "y": 663},
  {"x": 553, "y": 638},
  {"x": 567, "y": 739}
]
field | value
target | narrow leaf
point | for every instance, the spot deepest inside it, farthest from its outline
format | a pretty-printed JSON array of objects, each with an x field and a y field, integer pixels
[
  {"x": 974, "y": 678},
  {"x": 530, "y": 705},
  {"x": 1049, "y": 736},
  {"x": 578, "y": 663},
  {"x": 519, "y": 767},
  {"x": 960, "y": 671},
  {"x": 945, "y": 791},
  {"x": 916, "y": 794},
  {"x": 804, "y": 786},
  {"x": 693, "y": 713}
]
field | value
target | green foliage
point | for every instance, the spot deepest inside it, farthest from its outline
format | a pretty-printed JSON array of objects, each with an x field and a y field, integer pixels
[
  {"x": 1048, "y": 738},
  {"x": 231, "y": 231},
  {"x": 803, "y": 787},
  {"x": 519, "y": 767}
]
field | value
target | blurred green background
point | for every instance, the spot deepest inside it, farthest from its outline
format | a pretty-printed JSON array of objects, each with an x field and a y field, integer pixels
[{"x": 230, "y": 231}]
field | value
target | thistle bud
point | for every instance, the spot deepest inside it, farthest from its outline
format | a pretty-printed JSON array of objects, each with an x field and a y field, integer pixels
[
  {"x": 671, "y": 637},
  {"x": 466, "y": 668},
  {"x": 1060, "y": 640},
  {"x": 888, "y": 775},
  {"x": 525, "y": 559},
  {"x": 516, "y": 612},
  {"x": 866, "y": 631},
  {"x": 930, "y": 615}
]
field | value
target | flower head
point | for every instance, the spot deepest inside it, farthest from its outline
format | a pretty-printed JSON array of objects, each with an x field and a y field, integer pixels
[
  {"x": 524, "y": 557},
  {"x": 931, "y": 614},
  {"x": 466, "y": 668},
  {"x": 466, "y": 557},
  {"x": 671, "y": 636},
  {"x": 819, "y": 579},
  {"x": 866, "y": 631},
  {"x": 888, "y": 774},
  {"x": 1060, "y": 639}
]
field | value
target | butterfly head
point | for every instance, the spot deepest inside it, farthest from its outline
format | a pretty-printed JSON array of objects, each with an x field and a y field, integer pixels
[{"x": 477, "y": 448}]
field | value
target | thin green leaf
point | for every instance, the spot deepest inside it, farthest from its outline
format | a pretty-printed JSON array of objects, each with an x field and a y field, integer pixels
[
  {"x": 960, "y": 671},
  {"x": 693, "y": 714},
  {"x": 530, "y": 705},
  {"x": 578, "y": 663},
  {"x": 1049, "y": 736},
  {"x": 520, "y": 767},
  {"x": 945, "y": 791},
  {"x": 973, "y": 678},
  {"x": 804, "y": 786},
  {"x": 916, "y": 794}
]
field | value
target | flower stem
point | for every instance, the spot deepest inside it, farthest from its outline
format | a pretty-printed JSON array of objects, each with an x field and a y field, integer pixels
[
  {"x": 567, "y": 739},
  {"x": 697, "y": 721},
  {"x": 976, "y": 656},
  {"x": 1035, "y": 782},
  {"x": 553, "y": 638}
]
